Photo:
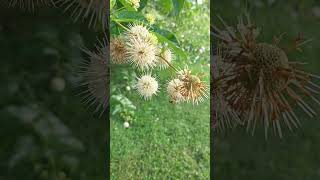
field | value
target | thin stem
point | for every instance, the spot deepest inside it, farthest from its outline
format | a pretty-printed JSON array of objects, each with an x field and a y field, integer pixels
[
  {"x": 117, "y": 10},
  {"x": 170, "y": 65},
  {"x": 121, "y": 25}
]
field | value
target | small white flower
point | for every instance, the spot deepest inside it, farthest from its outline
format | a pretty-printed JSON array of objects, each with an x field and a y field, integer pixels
[
  {"x": 165, "y": 58},
  {"x": 137, "y": 31},
  {"x": 135, "y": 4},
  {"x": 142, "y": 54},
  {"x": 140, "y": 32},
  {"x": 147, "y": 86},
  {"x": 128, "y": 88},
  {"x": 126, "y": 124},
  {"x": 173, "y": 90}
]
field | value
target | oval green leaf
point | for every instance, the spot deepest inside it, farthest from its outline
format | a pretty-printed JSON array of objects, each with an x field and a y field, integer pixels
[
  {"x": 128, "y": 16},
  {"x": 177, "y": 50}
]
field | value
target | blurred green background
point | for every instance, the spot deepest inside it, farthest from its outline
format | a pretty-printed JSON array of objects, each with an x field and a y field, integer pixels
[
  {"x": 46, "y": 132},
  {"x": 237, "y": 154}
]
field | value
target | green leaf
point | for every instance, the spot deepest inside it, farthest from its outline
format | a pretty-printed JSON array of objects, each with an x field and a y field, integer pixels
[
  {"x": 143, "y": 4},
  {"x": 177, "y": 50},
  {"x": 116, "y": 109},
  {"x": 187, "y": 5},
  {"x": 112, "y": 3},
  {"x": 167, "y": 34},
  {"x": 177, "y": 6},
  {"x": 128, "y": 16},
  {"x": 127, "y": 5},
  {"x": 166, "y": 6},
  {"x": 115, "y": 30}
]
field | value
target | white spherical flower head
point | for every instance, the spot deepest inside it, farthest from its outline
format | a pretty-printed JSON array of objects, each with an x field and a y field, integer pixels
[
  {"x": 137, "y": 31},
  {"x": 126, "y": 124},
  {"x": 142, "y": 54},
  {"x": 174, "y": 92},
  {"x": 147, "y": 86},
  {"x": 165, "y": 58}
]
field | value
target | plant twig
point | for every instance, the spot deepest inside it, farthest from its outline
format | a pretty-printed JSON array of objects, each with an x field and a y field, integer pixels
[
  {"x": 170, "y": 65},
  {"x": 117, "y": 10},
  {"x": 121, "y": 25}
]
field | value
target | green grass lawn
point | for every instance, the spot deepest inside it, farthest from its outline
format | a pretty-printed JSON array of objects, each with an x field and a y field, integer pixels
[{"x": 166, "y": 141}]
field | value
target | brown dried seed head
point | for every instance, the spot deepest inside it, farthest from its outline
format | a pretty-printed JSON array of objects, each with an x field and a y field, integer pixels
[
  {"x": 261, "y": 85},
  {"x": 192, "y": 88},
  {"x": 269, "y": 57},
  {"x": 118, "y": 51}
]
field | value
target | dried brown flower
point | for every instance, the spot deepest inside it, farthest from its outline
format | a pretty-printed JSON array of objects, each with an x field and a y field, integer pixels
[
  {"x": 118, "y": 52},
  {"x": 192, "y": 88},
  {"x": 261, "y": 84}
]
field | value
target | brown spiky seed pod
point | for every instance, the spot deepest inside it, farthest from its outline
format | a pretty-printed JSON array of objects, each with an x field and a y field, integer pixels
[
  {"x": 193, "y": 88},
  {"x": 262, "y": 85}
]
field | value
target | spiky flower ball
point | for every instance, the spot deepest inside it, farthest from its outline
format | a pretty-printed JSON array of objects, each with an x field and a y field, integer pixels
[
  {"x": 224, "y": 116},
  {"x": 174, "y": 91},
  {"x": 261, "y": 84},
  {"x": 94, "y": 11},
  {"x": 118, "y": 51},
  {"x": 95, "y": 77},
  {"x": 28, "y": 4},
  {"x": 193, "y": 88},
  {"x": 141, "y": 54},
  {"x": 165, "y": 58},
  {"x": 137, "y": 31},
  {"x": 147, "y": 86}
]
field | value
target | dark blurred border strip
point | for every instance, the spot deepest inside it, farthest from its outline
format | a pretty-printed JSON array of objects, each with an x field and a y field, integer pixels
[
  {"x": 108, "y": 174},
  {"x": 212, "y": 95}
]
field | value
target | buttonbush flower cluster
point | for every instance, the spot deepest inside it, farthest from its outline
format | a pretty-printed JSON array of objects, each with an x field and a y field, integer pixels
[{"x": 139, "y": 47}]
